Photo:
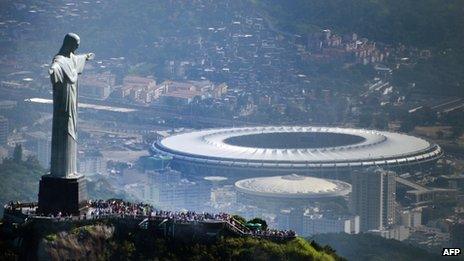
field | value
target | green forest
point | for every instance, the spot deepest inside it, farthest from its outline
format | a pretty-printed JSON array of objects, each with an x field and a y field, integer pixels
[
  {"x": 372, "y": 247},
  {"x": 19, "y": 181}
]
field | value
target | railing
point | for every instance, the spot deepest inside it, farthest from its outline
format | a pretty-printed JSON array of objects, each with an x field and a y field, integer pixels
[
  {"x": 235, "y": 229},
  {"x": 231, "y": 223}
]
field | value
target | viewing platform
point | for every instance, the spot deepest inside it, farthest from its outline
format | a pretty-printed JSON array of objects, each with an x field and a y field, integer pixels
[{"x": 144, "y": 216}]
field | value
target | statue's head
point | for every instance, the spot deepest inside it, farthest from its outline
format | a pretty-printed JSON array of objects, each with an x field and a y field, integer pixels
[{"x": 70, "y": 43}]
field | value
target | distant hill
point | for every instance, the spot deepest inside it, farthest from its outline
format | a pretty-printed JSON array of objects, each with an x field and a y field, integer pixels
[
  {"x": 428, "y": 23},
  {"x": 371, "y": 247},
  {"x": 154, "y": 33}
]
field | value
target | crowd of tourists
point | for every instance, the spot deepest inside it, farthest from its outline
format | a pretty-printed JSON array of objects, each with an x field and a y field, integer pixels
[
  {"x": 274, "y": 233},
  {"x": 102, "y": 208},
  {"x": 121, "y": 209}
]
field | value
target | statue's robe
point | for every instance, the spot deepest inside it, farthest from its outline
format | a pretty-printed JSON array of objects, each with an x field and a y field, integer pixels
[{"x": 63, "y": 75}]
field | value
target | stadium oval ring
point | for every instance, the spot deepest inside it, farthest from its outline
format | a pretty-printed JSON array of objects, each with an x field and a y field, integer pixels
[{"x": 345, "y": 148}]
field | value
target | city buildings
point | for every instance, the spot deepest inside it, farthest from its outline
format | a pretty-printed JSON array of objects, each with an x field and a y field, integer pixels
[
  {"x": 399, "y": 233},
  {"x": 373, "y": 198},
  {"x": 7, "y": 105},
  {"x": 41, "y": 147},
  {"x": 290, "y": 218},
  {"x": 411, "y": 217},
  {"x": 457, "y": 234},
  {"x": 144, "y": 90},
  {"x": 140, "y": 89},
  {"x": 44, "y": 143},
  {"x": 419, "y": 195},
  {"x": 4, "y": 131},
  {"x": 91, "y": 162},
  {"x": 155, "y": 163},
  {"x": 349, "y": 48},
  {"x": 183, "y": 93},
  {"x": 320, "y": 224},
  {"x": 167, "y": 189},
  {"x": 97, "y": 86}
]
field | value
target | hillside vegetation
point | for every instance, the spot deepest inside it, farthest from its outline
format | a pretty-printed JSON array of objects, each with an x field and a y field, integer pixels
[
  {"x": 371, "y": 247},
  {"x": 19, "y": 181},
  {"x": 117, "y": 241}
]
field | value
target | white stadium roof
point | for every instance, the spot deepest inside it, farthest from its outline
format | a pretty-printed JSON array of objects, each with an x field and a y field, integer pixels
[
  {"x": 293, "y": 186},
  {"x": 369, "y": 148}
]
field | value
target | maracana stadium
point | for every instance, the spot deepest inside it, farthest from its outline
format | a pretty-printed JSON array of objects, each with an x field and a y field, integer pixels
[{"x": 306, "y": 150}]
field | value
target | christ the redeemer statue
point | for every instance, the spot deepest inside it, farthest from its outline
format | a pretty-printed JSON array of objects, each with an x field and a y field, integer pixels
[
  {"x": 64, "y": 72},
  {"x": 63, "y": 190}
]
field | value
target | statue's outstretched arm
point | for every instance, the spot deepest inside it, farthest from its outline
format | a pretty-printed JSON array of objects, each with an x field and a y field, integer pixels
[
  {"x": 80, "y": 59},
  {"x": 90, "y": 56}
]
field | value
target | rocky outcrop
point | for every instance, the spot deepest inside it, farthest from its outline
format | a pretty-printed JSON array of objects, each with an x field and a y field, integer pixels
[{"x": 83, "y": 243}]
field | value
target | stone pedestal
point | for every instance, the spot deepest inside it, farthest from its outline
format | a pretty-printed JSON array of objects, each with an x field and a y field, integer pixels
[{"x": 65, "y": 195}]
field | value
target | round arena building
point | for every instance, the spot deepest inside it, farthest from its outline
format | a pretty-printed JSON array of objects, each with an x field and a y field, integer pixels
[
  {"x": 316, "y": 151},
  {"x": 277, "y": 192}
]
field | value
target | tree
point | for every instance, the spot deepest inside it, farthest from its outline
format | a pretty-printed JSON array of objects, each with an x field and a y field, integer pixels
[
  {"x": 407, "y": 126},
  {"x": 240, "y": 219},
  {"x": 457, "y": 131},
  {"x": 381, "y": 122},
  {"x": 365, "y": 120},
  {"x": 259, "y": 221},
  {"x": 19, "y": 181},
  {"x": 439, "y": 134},
  {"x": 18, "y": 153}
]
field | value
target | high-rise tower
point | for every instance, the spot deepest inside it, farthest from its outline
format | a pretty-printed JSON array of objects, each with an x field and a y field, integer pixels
[{"x": 373, "y": 198}]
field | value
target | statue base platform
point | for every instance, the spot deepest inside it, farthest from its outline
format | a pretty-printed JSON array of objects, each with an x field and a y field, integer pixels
[{"x": 65, "y": 195}]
